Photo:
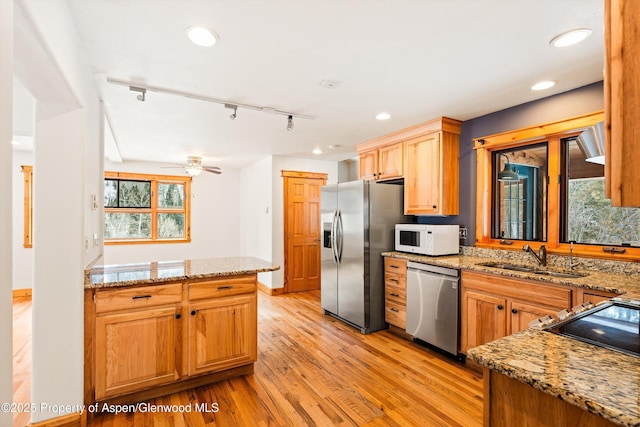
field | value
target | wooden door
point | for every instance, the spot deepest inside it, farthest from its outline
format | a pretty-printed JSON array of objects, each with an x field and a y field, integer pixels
[
  {"x": 483, "y": 319},
  {"x": 136, "y": 350},
  {"x": 222, "y": 333},
  {"x": 302, "y": 230},
  {"x": 422, "y": 176}
]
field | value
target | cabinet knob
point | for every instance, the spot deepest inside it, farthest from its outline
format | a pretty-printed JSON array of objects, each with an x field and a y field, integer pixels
[
  {"x": 514, "y": 311},
  {"x": 500, "y": 307},
  {"x": 193, "y": 312},
  {"x": 434, "y": 206},
  {"x": 178, "y": 316}
]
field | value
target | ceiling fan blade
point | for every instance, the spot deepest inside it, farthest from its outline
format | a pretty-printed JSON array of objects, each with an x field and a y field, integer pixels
[{"x": 212, "y": 169}]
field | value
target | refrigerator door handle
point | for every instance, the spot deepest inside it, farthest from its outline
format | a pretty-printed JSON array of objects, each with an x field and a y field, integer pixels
[
  {"x": 334, "y": 221},
  {"x": 339, "y": 237}
]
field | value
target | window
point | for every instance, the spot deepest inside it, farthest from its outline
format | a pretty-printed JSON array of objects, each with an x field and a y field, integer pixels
[
  {"x": 536, "y": 185},
  {"x": 141, "y": 208}
]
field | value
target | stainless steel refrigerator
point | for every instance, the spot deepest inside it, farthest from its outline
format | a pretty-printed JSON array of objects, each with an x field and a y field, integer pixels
[{"x": 358, "y": 220}]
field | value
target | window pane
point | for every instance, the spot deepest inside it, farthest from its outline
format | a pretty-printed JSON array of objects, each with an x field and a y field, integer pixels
[
  {"x": 520, "y": 194},
  {"x": 135, "y": 194},
  {"x": 110, "y": 193},
  {"x": 170, "y": 195},
  {"x": 590, "y": 217},
  {"x": 170, "y": 225},
  {"x": 127, "y": 225}
]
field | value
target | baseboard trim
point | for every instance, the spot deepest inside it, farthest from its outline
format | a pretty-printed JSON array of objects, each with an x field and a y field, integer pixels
[
  {"x": 20, "y": 293},
  {"x": 270, "y": 291},
  {"x": 70, "y": 420}
]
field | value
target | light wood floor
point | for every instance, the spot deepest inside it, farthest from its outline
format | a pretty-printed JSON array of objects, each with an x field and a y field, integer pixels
[{"x": 314, "y": 370}]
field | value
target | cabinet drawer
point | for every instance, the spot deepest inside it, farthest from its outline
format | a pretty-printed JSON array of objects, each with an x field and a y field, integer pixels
[
  {"x": 222, "y": 287},
  {"x": 138, "y": 297},
  {"x": 395, "y": 280},
  {"x": 396, "y": 314},
  {"x": 395, "y": 294},
  {"x": 395, "y": 266}
]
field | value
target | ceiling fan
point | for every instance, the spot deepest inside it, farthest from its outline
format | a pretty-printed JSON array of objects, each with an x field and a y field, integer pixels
[{"x": 194, "y": 166}]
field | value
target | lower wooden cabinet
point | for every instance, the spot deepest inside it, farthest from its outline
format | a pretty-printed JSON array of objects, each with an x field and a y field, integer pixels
[
  {"x": 136, "y": 349},
  {"x": 145, "y": 340},
  {"x": 221, "y": 333},
  {"x": 493, "y": 306},
  {"x": 395, "y": 292}
]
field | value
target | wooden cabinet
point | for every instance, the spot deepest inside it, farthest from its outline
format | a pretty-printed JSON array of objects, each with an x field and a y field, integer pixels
[
  {"x": 432, "y": 172},
  {"x": 622, "y": 101},
  {"x": 494, "y": 306},
  {"x": 146, "y": 341},
  {"x": 395, "y": 292},
  {"x": 593, "y": 296},
  {"x": 136, "y": 350},
  {"x": 382, "y": 163},
  {"x": 223, "y": 329},
  {"x": 427, "y": 157}
]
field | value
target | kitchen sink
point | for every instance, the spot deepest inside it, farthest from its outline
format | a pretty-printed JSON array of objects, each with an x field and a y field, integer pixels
[{"x": 533, "y": 270}]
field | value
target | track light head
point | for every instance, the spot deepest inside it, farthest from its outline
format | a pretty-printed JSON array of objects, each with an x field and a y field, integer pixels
[
  {"x": 235, "y": 110},
  {"x": 142, "y": 91},
  {"x": 290, "y": 123}
]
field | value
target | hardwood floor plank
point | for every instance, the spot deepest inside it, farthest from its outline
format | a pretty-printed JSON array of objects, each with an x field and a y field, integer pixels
[{"x": 312, "y": 369}]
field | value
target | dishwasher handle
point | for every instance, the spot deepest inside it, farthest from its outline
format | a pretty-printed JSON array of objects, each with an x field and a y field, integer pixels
[{"x": 428, "y": 268}]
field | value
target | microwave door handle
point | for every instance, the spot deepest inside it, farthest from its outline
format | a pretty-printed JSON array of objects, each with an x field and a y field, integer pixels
[{"x": 340, "y": 236}]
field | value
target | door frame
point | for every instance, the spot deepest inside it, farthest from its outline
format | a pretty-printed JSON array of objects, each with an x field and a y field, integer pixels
[{"x": 286, "y": 174}]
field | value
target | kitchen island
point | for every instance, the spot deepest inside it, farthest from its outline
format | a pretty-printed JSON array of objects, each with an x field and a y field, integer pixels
[{"x": 156, "y": 328}]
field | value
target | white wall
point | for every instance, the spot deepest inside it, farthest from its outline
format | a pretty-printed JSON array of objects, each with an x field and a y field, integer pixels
[
  {"x": 22, "y": 257},
  {"x": 281, "y": 163},
  {"x": 67, "y": 170},
  {"x": 256, "y": 213},
  {"x": 215, "y": 219},
  {"x": 6, "y": 124}
]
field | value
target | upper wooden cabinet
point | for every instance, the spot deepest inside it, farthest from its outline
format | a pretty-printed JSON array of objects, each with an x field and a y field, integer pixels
[
  {"x": 427, "y": 156},
  {"x": 622, "y": 101},
  {"x": 382, "y": 163}
]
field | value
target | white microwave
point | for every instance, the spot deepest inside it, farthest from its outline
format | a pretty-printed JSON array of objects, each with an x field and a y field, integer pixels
[{"x": 427, "y": 239}]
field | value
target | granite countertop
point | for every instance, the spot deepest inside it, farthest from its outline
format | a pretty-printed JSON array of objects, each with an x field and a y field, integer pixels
[
  {"x": 601, "y": 381},
  {"x": 103, "y": 276},
  {"x": 614, "y": 282}
]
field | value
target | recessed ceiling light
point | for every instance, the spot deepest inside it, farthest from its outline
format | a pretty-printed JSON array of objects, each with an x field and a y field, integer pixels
[
  {"x": 544, "y": 85},
  {"x": 201, "y": 36},
  {"x": 571, "y": 37},
  {"x": 317, "y": 151},
  {"x": 383, "y": 116}
]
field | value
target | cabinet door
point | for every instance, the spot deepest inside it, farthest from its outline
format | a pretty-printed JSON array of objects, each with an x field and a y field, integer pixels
[
  {"x": 591, "y": 295},
  {"x": 222, "y": 333},
  {"x": 522, "y": 313},
  {"x": 368, "y": 167},
  {"x": 390, "y": 161},
  {"x": 483, "y": 319},
  {"x": 136, "y": 350},
  {"x": 422, "y": 176}
]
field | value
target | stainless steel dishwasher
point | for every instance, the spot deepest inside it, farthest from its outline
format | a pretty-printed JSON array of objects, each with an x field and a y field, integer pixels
[{"x": 432, "y": 305}]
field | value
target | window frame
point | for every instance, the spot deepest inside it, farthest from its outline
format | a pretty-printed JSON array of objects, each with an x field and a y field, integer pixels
[
  {"x": 154, "y": 210},
  {"x": 552, "y": 133},
  {"x": 27, "y": 175}
]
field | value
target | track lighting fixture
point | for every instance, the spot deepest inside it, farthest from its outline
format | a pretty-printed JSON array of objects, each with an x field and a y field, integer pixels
[
  {"x": 290, "y": 123},
  {"x": 141, "y": 90},
  {"x": 235, "y": 110}
]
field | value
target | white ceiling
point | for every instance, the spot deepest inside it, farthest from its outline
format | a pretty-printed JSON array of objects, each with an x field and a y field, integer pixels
[{"x": 415, "y": 59}]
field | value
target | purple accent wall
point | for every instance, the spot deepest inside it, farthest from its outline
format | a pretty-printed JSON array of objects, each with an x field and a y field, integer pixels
[{"x": 579, "y": 101}]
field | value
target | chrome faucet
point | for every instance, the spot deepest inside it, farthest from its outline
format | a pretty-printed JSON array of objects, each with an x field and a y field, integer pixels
[{"x": 542, "y": 258}]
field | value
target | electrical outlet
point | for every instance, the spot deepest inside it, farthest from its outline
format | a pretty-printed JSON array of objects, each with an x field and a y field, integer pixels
[{"x": 463, "y": 233}]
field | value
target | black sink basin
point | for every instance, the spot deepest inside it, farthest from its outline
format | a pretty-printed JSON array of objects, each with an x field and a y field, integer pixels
[{"x": 533, "y": 270}]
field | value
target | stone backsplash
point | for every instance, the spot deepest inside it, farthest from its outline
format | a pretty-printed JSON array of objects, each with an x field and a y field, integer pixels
[{"x": 560, "y": 261}]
